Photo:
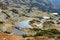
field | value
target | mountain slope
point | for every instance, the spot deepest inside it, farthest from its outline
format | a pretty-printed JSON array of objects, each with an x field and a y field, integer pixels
[{"x": 44, "y": 5}]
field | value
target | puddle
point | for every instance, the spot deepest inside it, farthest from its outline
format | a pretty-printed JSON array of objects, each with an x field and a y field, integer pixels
[
  {"x": 16, "y": 31},
  {"x": 24, "y": 24}
]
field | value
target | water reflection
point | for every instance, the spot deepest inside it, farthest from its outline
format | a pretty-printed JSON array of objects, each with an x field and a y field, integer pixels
[
  {"x": 16, "y": 31},
  {"x": 24, "y": 24}
]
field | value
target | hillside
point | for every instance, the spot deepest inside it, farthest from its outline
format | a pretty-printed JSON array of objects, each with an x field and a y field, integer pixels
[
  {"x": 29, "y": 20},
  {"x": 44, "y": 5}
]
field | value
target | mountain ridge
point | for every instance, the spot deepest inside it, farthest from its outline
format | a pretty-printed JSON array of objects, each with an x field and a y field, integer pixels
[{"x": 44, "y": 5}]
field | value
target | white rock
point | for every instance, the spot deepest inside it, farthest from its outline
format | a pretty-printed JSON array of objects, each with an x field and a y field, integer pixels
[
  {"x": 5, "y": 27},
  {"x": 39, "y": 25},
  {"x": 46, "y": 17},
  {"x": 0, "y": 10},
  {"x": 55, "y": 13},
  {"x": 2, "y": 15}
]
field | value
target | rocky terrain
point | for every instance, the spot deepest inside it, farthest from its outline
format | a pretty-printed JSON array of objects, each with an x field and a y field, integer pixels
[
  {"x": 44, "y": 5},
  {"x": 4, "y": 36},
  {"x": 19, "y": 20}
]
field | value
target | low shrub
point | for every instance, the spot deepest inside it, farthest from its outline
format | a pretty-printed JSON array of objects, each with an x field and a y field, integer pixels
[{"x": 47, "y": 32}]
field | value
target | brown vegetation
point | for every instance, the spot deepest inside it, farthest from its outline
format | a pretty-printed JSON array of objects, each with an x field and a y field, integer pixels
[{"x": 4, "y": 36}]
